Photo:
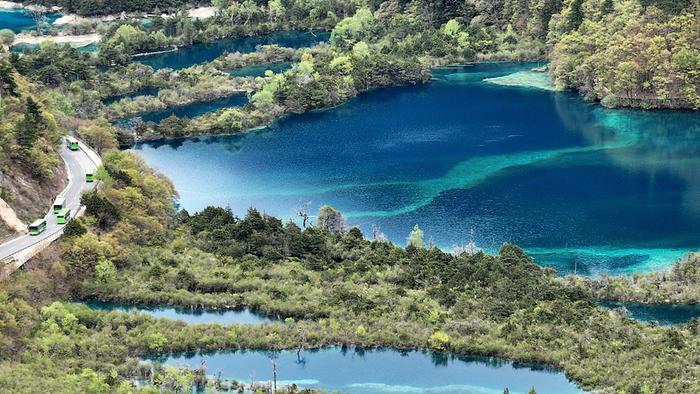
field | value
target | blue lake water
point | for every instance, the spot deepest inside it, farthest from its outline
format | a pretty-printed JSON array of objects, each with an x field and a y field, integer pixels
[
  {"x": 259, "y": 71},
  {"x": 200, "y": 53},
  {"x": 20, "y": 19},
  {"x": 663, "y": 314},
  {"x": 193, "y": 316},
  {"x": 580, "y": 187},
  {"x": 195, "y": 109},
  {"x": 358, "y": 371}
]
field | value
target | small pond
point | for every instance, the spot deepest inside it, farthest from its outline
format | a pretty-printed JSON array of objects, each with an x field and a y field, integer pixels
[
  {"x": 360, "y": 371},
  {"x": 664, "y": 314},
  {"x": 193, "y": 316}
]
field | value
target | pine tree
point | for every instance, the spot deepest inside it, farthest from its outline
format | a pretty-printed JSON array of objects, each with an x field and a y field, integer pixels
[
  {"x": 8, "y": 86},
  {"x": 575, "y": 14},
  {"x": 608, "y": 7},
  {"x": 31, "y": 125}
]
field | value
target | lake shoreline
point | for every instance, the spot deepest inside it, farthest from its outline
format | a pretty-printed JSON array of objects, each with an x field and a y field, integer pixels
[{"x": 157, "y": 138}]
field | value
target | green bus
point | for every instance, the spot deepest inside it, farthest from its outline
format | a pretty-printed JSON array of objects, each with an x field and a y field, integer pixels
[
  {"x": 63, "y": 216},
  {"x": 89, "y": 177},
  {"x": 59, "y": 204},
  {"x": 37, "y": 227},
  {"x": 72, "y": 143}
]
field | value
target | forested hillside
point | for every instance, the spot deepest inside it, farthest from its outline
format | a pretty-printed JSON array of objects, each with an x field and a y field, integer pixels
[
  {"x": 31, "y": 172},
  {"x": 629, "y": 53}
]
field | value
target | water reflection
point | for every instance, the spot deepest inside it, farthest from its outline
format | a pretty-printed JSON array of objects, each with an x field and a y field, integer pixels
[{"x": 359, "y": 371}]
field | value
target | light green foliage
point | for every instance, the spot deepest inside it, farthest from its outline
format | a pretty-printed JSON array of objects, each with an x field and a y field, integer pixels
[
  {"x": 415, "y": 238},
  {"x": 630, "y": 55},
  {"x": 360, "y": 331},
  {"x": 361, "y": 50},
  {"x": 439, "y": 340},
  {"x": 451, "y": 28},
  {"x": 6, "y": 36},
  {"x": 351, "y": 30},
  {"x": 179, "y": 380},
  {"x": 105, "y": 271}
]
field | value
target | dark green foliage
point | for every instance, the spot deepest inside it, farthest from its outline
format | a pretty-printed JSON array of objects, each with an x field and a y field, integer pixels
[
  {"x": 673, "y": 6},
  {"x": 74, "y": 228},
  {"x": 101, "y": 208},
  {"x": 8, "y": 85},
  {"x": 31, "y": 126},
  {"x": 54, "y": 64},
  {"x": 99, "y": 7},
  {"x": 608, "y": 6},
  {"x": 575, "y": 14}
]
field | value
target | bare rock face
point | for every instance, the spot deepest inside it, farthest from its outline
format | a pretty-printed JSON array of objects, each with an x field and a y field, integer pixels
[
  {"x": 8, "y": 215},
  {"x": 24, "y": 198}
]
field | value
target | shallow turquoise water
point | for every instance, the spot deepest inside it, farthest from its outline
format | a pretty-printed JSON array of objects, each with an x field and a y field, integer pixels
[
  {"x": 194, "y": 316},
  {"x": 200, "y": 53},
  {"x": 582, "y": 188},
  {"x": 18, "y": 20},
  {"x": 662, "y": 314},
  {"x": 357, "y": 371}
]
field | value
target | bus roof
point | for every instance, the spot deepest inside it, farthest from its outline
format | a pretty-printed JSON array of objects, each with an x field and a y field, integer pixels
[
  {"x": 63, "y": 212},
  {"x": 71, "y": 139},
  {"x": 60, "y": 200},
  {"x": 37, "y": 222}
]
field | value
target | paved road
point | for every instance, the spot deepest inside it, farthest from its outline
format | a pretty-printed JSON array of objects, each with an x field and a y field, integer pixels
[{"x": 78, "y": 164}]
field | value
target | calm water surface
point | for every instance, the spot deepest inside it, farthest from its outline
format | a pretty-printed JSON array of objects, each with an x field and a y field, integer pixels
[
  {"x": 383, "y": 371},
  {"x": 201, "y": 53},
  {"x": 195, "y": 109},
  {"x": 580, "y": 187},
  {"x": 662, "y": 314},
  {"x": 18, "y": 20},
  {"x": 259, "y": 71},
  {"x": 194, "y": 316}
]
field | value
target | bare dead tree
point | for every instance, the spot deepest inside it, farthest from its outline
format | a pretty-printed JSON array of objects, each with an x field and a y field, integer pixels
[{"x": 302, "y": 211}]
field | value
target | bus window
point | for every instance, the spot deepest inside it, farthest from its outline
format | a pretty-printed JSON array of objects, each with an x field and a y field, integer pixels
[
  {"x": 59, "y": 204},
  {"x": 37, "y": 227},
  {"x": 63, "y": 216}
]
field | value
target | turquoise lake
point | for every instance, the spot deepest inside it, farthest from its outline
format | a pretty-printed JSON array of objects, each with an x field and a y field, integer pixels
[
  {"x": 580, "y": 187},
  {"x": 662, "y": 314},
  {"x": 193, "y": 316},
  {"x": 200, "y": 53},
  {"x": 20, "y": 19},
  {"x": 357, "y": 371}
]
